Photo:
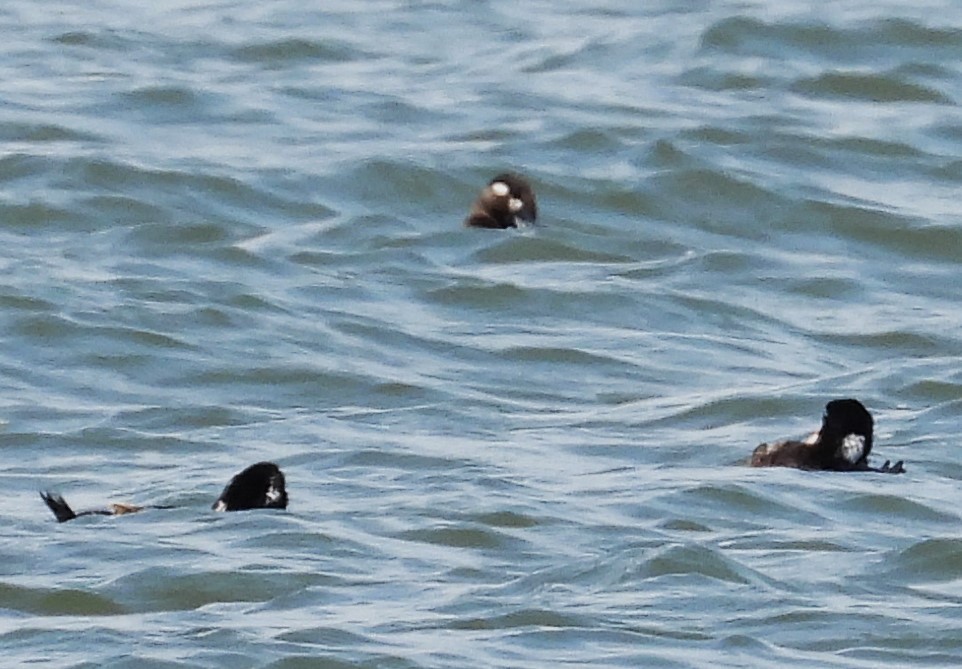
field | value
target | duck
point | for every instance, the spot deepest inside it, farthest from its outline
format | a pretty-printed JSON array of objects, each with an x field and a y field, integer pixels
[
  {"x": 842, "y": 444},
  {"x": 506, "y": 202},
  {"x": 260, "y": 486}
]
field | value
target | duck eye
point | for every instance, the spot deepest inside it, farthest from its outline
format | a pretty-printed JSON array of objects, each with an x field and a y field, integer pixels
[{"x": 500, "y": 188}]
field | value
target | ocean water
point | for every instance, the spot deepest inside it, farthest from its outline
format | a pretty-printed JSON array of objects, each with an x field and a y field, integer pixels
[{"x": 232, "y": 232}]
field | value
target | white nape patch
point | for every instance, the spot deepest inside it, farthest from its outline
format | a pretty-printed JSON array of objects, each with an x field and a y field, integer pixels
[
  {"x": 500, "y": 188},
  {"x": 220, "y": 506},
  {"x": 515, "y": 205},
  {"x": 852, "y": 448}
]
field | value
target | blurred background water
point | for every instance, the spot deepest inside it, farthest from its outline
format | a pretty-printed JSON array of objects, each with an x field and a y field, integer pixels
[{"x": 232, "y": 232}]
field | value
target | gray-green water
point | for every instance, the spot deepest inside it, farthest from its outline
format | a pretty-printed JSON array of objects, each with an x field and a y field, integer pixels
[{"x": 232, "y": 232}]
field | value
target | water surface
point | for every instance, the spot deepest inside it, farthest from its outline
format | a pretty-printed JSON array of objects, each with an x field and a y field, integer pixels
[{"x": 232, "y": 232}]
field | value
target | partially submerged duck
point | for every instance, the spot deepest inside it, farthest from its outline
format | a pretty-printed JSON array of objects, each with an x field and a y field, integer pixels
[
  {"x": 260, "y": 486},
  {"x": 842, "y": 444},
  {"x": 506, "y": 202}
]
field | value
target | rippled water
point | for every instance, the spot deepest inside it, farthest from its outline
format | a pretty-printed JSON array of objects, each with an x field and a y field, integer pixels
[{"x": 232, "y": 232}]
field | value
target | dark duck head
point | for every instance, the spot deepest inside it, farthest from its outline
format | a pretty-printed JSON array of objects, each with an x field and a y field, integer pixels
[
  {"x": 506, "y": 202},
  {"x": 845, "y": 439},
  {"x": 842, "y": 444},
  {"x": 260, "y": 486}
]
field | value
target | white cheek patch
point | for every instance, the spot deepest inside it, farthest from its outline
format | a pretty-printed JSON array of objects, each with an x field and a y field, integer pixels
[
  {"x": 852, "y": 448},
  {"x": 273, "y": 494},
  {"x": 500, "y": 188},
  {"x": 515, "y": 205}
]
